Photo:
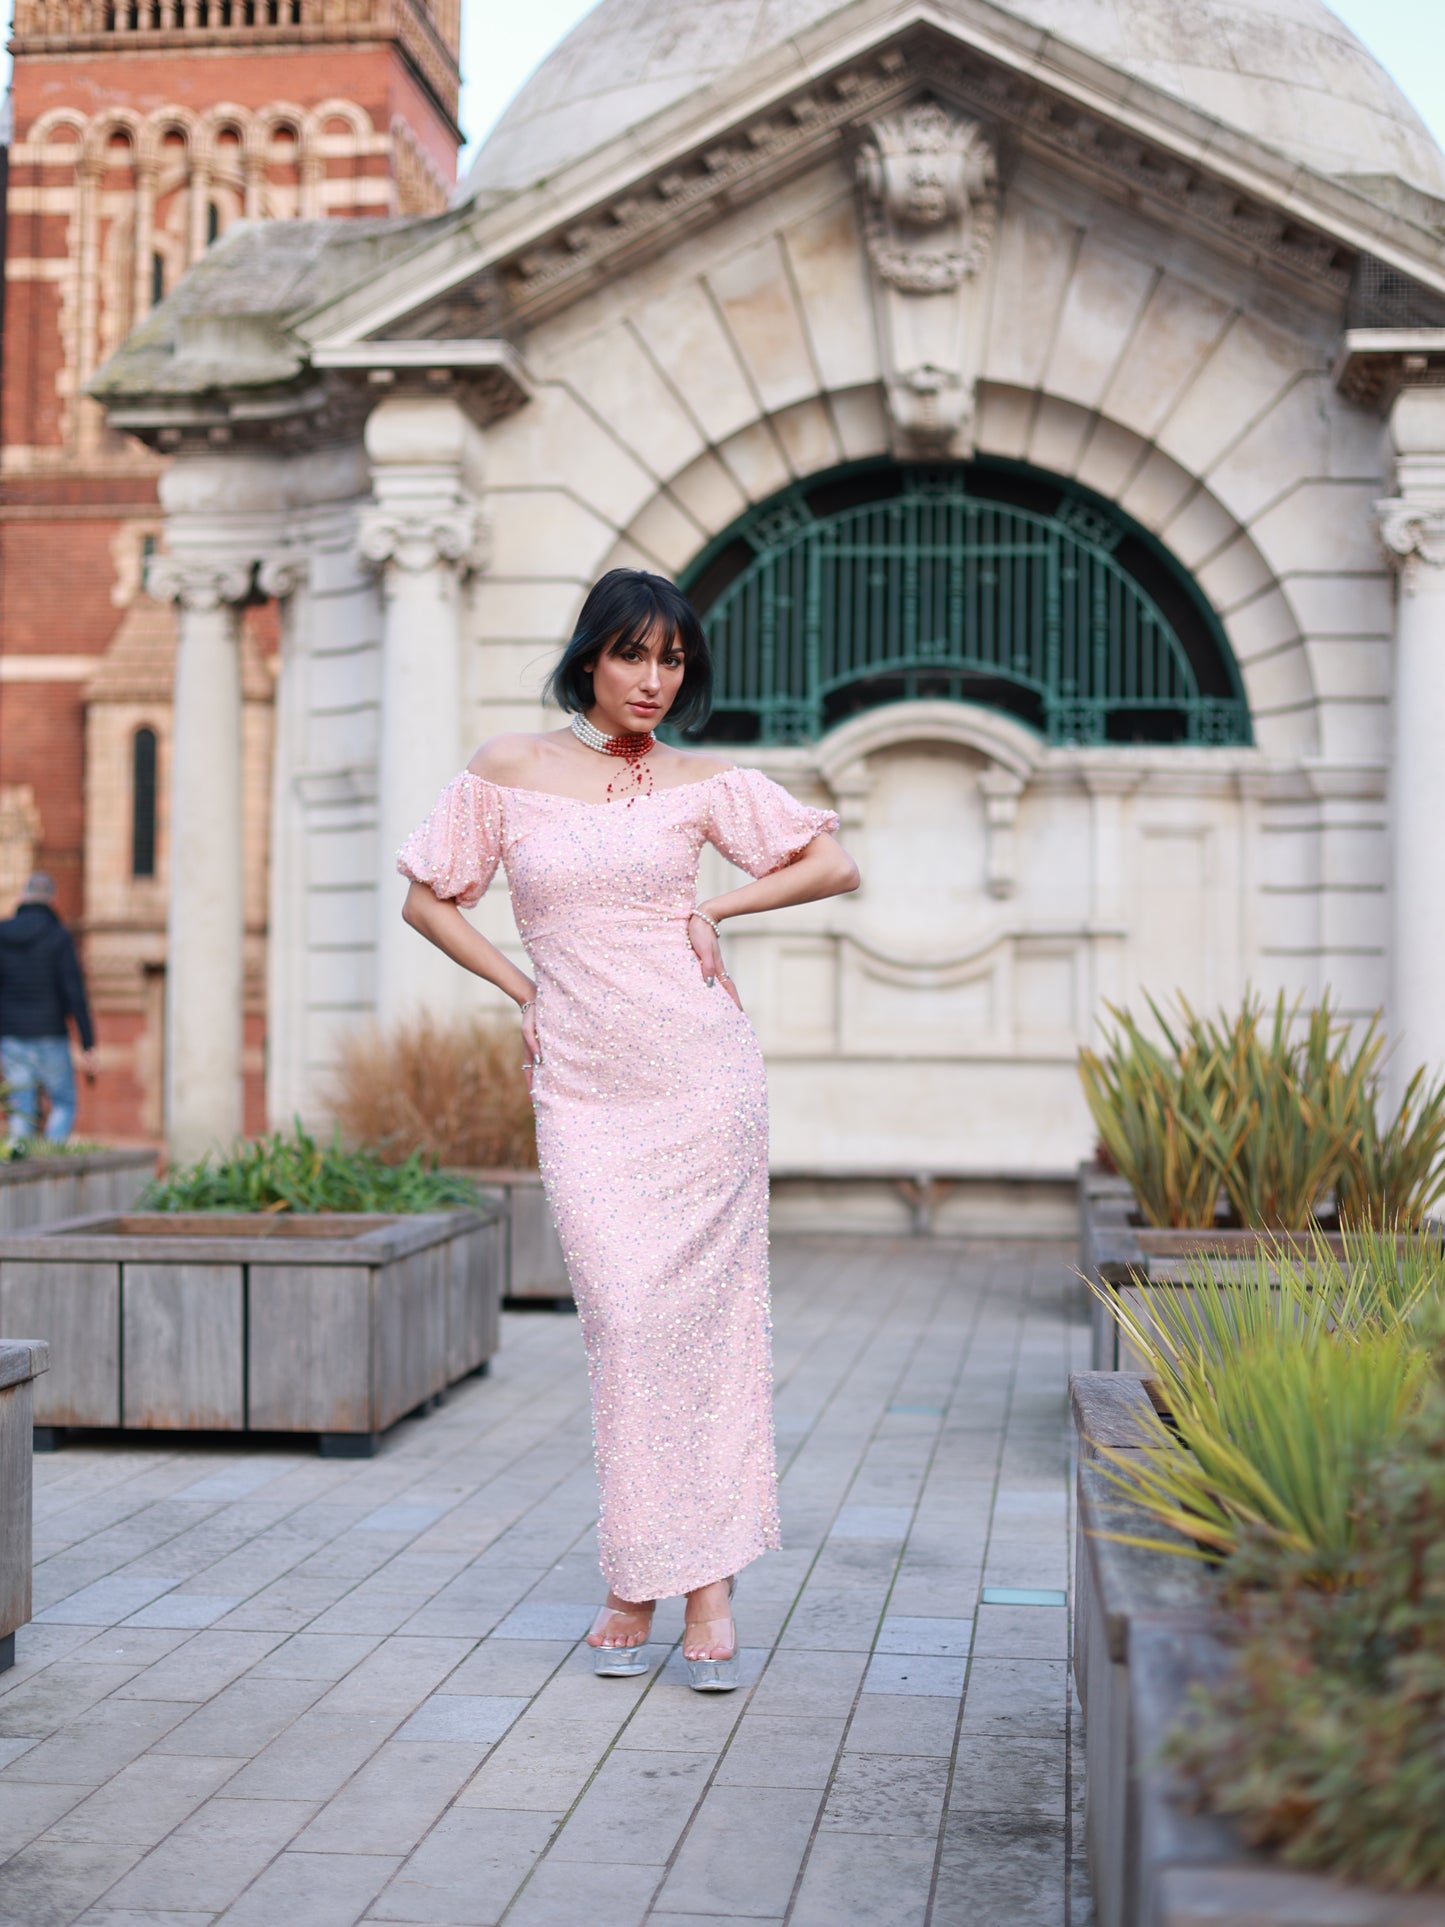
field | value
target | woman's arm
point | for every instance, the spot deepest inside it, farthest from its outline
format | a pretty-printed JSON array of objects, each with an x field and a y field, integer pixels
[
  {"x": 442, "y": 923},
  {"x": 824, "y": 869}
]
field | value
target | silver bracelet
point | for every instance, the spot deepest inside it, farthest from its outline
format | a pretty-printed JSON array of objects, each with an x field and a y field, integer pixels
[
  {"x": 531, "y": 1004},
  {"x": 707, "y": 920}
]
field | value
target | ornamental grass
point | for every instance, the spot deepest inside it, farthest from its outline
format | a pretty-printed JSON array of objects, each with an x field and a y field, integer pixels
[
  {"x": 1283, "y": 1382},
  {"x": 453, "y": 1092},
  {"x": 1268, "y": 1118},
  {"x": 1326, "y": 1742},
  {"x": 300, "y": 1174}
]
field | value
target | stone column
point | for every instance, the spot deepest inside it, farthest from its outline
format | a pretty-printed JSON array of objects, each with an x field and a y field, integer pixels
[
  {"x": 1413, "y": 526},
  {"x": 145, "y": 208},
  {"x": 205, "y": 965},
  {"x": 198, "y": 209},
  {"x": 424, "y": 533},
  {"x": 224, "y": 513},
  {"x": 327, "y": 603}
]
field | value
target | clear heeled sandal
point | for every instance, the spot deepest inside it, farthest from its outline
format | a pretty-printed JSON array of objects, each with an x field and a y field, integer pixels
[
  {"x": 714, "y": 1675},
  {"x": 621, "y": 1662}
]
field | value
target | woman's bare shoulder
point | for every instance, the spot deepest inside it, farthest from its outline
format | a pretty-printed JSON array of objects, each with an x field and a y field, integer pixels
[
  {"x": 505, "y": 759},
  {"x": 696, "y": 766}
]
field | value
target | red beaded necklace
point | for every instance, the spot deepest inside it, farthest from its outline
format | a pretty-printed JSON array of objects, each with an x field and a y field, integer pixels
[{"x": 632, "y": 749}]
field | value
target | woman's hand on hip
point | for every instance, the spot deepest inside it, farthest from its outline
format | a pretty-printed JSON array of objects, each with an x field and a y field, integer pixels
[{"x": 708, "y": 951}]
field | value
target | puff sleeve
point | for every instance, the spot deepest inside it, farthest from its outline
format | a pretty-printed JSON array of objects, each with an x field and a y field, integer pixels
[
  {"x": 758, "y": 825},
  {"x": 457, "y": 848}
]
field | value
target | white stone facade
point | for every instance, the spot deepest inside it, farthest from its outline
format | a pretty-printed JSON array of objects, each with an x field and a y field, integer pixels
[{"x": 1194, "y": 369}]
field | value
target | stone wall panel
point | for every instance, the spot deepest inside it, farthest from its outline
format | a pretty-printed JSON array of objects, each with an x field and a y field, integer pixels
[
  {"x": 613, "y": 375},
  {"x": 685, "y": 333},
  {"x": 754, "y": 293},
  {"x": 1098, "y": 317},
  {"x": 1177, "y": 332},
  {"x": 1241, "y": 380}
]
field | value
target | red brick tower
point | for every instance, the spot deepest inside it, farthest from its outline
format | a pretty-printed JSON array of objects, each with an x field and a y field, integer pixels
[{"x": 142, "y": 129}]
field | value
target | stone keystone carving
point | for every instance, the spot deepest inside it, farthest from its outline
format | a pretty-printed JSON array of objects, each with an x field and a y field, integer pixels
[
  {"x": 930, "y": 214},
  {"x": 196, "y": 583},
  {"x": 1414, "y": 535},
  {"x": 425, "y": 538}
]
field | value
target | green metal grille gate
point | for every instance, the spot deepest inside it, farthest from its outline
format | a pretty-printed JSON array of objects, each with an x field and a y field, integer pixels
[{"x": 985, "y": 583}]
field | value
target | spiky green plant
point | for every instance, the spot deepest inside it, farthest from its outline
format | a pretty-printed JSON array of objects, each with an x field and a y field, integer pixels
[
  {"x": 1165, "y": 1120},
  {"x": 1301, "y": 1094},
  {"x": 1283, "y": 1380},
  {"x": 1394, "y": 1174},
  {"x": 1326, "y": 1742}
]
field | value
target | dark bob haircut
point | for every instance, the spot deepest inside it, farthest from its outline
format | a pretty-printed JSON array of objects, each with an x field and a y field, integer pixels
[{"x": 625, "y": 607}]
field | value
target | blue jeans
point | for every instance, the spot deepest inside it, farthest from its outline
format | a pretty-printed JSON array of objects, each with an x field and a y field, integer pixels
[{"x": 28, "y": 1066}]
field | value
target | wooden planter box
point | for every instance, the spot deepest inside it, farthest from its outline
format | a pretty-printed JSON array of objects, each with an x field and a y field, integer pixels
[
  {"x": 1133, "y": 1261},
  {"x": 41, "y": 1190},
  {"x": 536, "y": 1271},
  {"x": 334, "y": 1325},
  {"x": 1146, "y": 1628},
  {"x": 21, "y": 1363}
]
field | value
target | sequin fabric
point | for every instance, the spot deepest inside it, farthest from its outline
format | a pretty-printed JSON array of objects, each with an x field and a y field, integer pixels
[{"x": 652, "y": 1131}]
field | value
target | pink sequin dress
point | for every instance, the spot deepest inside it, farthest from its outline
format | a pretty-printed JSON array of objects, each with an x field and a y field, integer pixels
[{"x": 652, "y": 1130}]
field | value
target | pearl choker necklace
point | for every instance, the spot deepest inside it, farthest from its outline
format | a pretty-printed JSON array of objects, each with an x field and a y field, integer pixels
[
  {"x": 632, "y": 749},
  {"x": 629, "y": 746}
]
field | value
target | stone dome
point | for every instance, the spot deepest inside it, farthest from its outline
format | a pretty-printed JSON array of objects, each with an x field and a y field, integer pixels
[{"x": 1287, "y": 72}]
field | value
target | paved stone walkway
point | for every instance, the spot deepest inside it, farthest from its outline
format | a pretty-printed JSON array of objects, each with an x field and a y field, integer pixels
[{"x": 266, "y": 1688}]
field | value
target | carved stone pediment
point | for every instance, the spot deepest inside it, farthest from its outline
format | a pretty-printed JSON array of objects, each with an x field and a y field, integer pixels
[{"x": 588, "y": 227}]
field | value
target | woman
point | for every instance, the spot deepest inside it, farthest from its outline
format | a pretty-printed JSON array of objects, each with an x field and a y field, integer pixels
[{"x": 647, "y": 1082}]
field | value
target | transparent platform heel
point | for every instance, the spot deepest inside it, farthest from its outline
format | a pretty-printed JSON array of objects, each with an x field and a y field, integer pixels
[
  {"x": 715, "y": 1675},
  {"x": 621, "y": 1662}
]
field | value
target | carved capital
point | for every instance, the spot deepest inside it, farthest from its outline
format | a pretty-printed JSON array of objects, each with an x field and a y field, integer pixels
[
  {"x": 1414, "y": 536},
  {"x": 282, "y": 575},
  {"x": 197, "y": 583},
  {"x": 421, "y": 539},
  {"x": 930, "y": 196}
]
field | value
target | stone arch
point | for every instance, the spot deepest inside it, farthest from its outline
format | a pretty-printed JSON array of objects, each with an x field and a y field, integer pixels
[
  {"x": 96, "y": 139},
  {"x": 173, "y": 118},
  {"x": 225, "y": 117},
  {"x": 992, "y": 735},
  {"x": 283, "y": 198},
  {"x": 1244, "y": 585},
  {"x": 277, "y": 114},
  {"x": 693, "y": 504},
  {"x": 46, "y": 125},
  {"x": 355, "y": 116}
]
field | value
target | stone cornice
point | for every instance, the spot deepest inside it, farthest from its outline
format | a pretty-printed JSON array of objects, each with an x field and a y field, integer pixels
[
  {"x": 1374, "y": 364},
  {"x": 541, "y": 249},
  {"x": 76, "y": 29}
]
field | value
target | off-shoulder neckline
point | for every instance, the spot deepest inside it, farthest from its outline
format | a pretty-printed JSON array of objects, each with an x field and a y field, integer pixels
[{"x": 557, "y": 796}]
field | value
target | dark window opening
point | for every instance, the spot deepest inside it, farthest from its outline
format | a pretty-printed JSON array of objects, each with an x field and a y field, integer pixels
[
  {"x": 213, "y": 223},
  {"x": 143, "y": 804},
  {"x": 158, "y": 279},
  {"x": 984, "y": 582}
]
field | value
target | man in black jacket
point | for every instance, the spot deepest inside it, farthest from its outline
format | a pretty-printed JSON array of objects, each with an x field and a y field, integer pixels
[{"x": 41, "y": 985}]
